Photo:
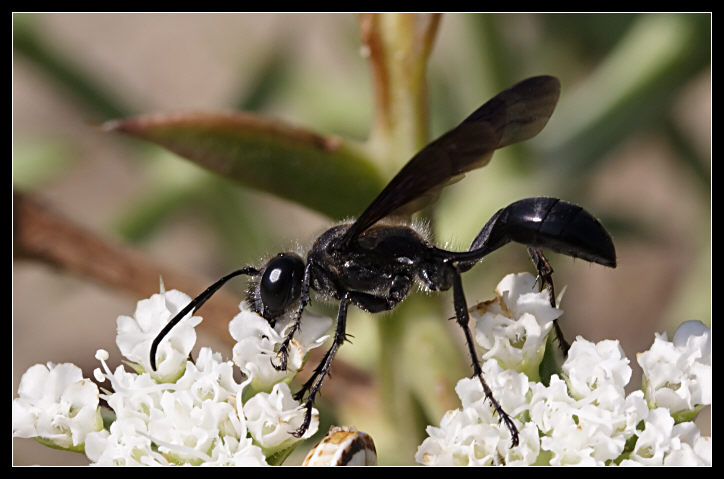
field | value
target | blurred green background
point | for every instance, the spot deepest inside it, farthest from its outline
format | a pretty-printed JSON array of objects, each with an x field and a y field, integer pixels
[{"x": 630, "y": 141}]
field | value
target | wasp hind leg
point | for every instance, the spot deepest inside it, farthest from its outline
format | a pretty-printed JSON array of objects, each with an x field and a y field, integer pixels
[{"x": 545, "y": 275}]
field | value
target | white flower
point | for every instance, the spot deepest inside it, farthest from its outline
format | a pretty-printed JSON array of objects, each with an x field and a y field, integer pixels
[
  {"x": 654, "y": 440},
  {"x": 209, "y": 378},
  {"x": 135, "y": 334},
  {"x": 272, "y": 417},
  {"x": 464, "y": 438},
  {"x": 200, "y": 419},
  {"x": 187, "y": 430},
  {"x": 186, "y": 412},
  {"x": 453, "y": 443},
  {"x": 597, "y": 368},
  {"x": 57, "y": 405},
  {"x": 509, "y": 387},
  {"x": 513, "y": 328},
  {"x": 258, "y": 343},
  {"x": 677, "y": 375},
  {"x": 588, "y": 422},
  {"x": 230, "y": 451},
  {"x": 191, "y": 413},
  {"x": 576, "y": 433},
  {"x": 123, "y": 445},
  {"x": 551, "y": 407},
  {"x": 688, "y": 447},
  {"x": 134, "y": 395},
  {"x": 192, "y": 421},
  {"x": 634, "y": 411},
  {"x": 664, "y": 443},
  {"x": 475, "y": 435},
  {"x": 555, "y": 427}
]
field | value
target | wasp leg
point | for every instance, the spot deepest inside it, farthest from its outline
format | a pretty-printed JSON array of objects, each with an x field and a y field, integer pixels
[
  {"x": 545, "y": 273},
  {"x": 283, "y": 353},
  {"x": 371, "y": 304},
  {"x": 315, "y": 382},
  {"x": 461, "y": 313}
]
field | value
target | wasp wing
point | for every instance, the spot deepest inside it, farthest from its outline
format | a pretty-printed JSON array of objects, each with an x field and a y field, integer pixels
[{"x": 514, "y": 115}]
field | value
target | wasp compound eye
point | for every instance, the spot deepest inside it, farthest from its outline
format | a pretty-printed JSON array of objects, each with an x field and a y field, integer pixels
[{"x": 281, "y": 283}]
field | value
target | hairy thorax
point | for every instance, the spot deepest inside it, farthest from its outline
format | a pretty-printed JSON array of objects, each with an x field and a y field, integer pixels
[{"x": 371, "y": 263}]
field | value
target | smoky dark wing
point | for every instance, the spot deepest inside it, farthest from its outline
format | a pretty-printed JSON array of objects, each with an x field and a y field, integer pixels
[{"x": 514, "y": 115}]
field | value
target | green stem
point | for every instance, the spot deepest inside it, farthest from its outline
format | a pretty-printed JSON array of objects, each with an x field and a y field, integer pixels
[{"x": 398, "y": 46}]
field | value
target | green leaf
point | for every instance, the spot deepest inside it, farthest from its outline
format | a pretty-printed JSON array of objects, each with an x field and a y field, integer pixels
[{"x": 324, "y": 173}]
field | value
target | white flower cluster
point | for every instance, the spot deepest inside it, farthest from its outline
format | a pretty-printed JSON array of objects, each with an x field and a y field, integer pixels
[
  {"x": 57, "y": 405},
  {"x": 583, "y": 416},
  {"x": 513, "y": 327},
  {"x": 184, "y": 413},
  {"x": 677, "y": 374}
]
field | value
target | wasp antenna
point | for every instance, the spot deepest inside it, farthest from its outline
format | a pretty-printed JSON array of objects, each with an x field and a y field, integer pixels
[{"x": 195, "y": 304}]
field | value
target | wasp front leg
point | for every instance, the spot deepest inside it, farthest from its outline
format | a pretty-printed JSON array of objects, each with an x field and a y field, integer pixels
[
  {"x": 314, "y": 384},
  {"x": 372, "y": 304},
  {"x": 283, "y": 353}
]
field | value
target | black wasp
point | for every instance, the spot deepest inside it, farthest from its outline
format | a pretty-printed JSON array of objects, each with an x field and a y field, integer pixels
[{"x": 373, "y": 262}]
